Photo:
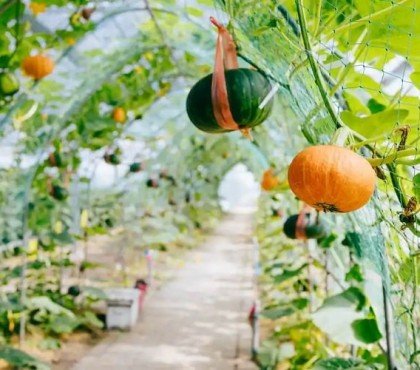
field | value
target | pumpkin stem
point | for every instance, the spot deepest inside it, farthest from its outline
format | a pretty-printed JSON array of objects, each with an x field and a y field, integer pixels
[
  {"x": 327, "y": 207},
  {"x": 246, "y": 132},
  {"x": 340, "y": 136}
]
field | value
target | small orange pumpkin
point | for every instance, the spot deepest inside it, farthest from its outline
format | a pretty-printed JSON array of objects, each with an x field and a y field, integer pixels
[
  {"x": 332, "y": 178},
  {"x": 37, "y": 8},
  {"x": 119, "y": 115},
  {"x": 269, "y": 181},
  {"x": 37, "y": 66}
]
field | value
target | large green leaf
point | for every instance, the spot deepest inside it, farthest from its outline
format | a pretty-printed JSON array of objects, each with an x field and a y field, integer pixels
[
  {"x": 366, "y": 330},
  {"x": 377, "y": 124},
  {"x": 21, "y": 360},
  {"x": 277, "y": 313},
  {"x": 45, "y": 303},
  {"x": 336, "y": 363},
  {"x": 63, "y": 324},
  {"x": 336, "y": 316},
  {"x": 288, "y": 274}
]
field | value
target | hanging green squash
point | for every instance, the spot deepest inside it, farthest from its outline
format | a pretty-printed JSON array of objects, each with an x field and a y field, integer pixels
[
  {"x": 58, "y": 192},
  {"x": 304, "y": 226},
  {"x": 112, "y": 158},
  {"x": 228, "y": 100},
  {"x": 136, "y": 167},
  {"x": 55, "y": 160},
  {"x": 246, "y": 88}
]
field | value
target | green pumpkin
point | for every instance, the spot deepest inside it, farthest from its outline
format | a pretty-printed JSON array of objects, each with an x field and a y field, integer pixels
[
  {"x": 55, "y": 160},
  {"x": 136, "y": 167},
  {"x": 112, "y": 159},
  {"x": 9, "y": 84},
  {"x": 313, "y": 230},
  {"x": 246, "y": 89},
  {"x": 74, "y": 290},
  {"x": 59, "y": 193}
]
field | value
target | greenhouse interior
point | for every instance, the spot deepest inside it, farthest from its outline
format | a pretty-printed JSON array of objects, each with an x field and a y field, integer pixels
[{"x": 210, "y": 184}]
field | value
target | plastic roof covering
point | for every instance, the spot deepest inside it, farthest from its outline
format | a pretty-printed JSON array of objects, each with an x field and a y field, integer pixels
[{"x": 116, "y": 37}]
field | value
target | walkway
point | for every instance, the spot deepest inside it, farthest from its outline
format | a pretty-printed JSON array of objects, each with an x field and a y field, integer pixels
[{"x": 196, "y": 321}]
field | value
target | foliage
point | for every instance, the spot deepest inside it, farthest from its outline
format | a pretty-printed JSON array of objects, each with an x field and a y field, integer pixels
[{"x": 331, "y": 62}]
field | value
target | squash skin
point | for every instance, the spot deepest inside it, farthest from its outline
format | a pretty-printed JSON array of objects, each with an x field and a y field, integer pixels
[
  {"x": 312, "y": 230},
  {"x": 331, "y": 178},
  {"x": 119, "y": 115},
  {"x": 38, "y": 66},
  {"x": 244, "y": 86},
  {"x": 269, "y": 180}
]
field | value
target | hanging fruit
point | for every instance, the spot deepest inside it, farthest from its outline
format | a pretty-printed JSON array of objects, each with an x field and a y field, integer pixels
[
  {"x": 58, "y": 192},
  {"x": 269, "y": 180},
  {"x": 73, "y": 290},
  {"x": 331, "y": 178},
  {"x": 136, "y": 167},
  {"x": 112, "y": 158},
  {"x": 304, "y": 225},
  {"x": 119, "y": 115},
  {"x": 228, "y": 100},
  {"x": 38, "y": 66},
  {"x": 55, "y": 160},
  {"x": 152, "y": 183},
  {"x": 9, "y": 84}
]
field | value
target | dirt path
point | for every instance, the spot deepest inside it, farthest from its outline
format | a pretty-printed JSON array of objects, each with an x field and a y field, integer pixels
[{"x": 198, "y": 320}]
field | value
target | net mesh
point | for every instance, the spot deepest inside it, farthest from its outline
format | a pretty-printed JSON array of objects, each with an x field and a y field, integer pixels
[{"x": 352, "y": 63}]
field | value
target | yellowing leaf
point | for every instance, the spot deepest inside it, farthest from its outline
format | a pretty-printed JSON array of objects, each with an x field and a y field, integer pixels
[
  {"x": 84, "y": 219},
  {"x": 58, "y": 227},
  {"x": 32, "y": 245}
]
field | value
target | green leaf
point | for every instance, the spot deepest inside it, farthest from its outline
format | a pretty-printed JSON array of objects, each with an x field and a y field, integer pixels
[
  {"x": 366, "y": 330},
  {"x": 375, "y": 107},
  {"x": 416, "y": 186},
  {"x": 194, "y": 11},
  {"x": 288, "y": 274},
  {"x": 21, "y": 360},
  {"x": 336, "y": 363},
  {"x": 45, "y": 303},
  {"x": 354, "y": 274},
  {"x": 336, "y": 316},
  {"x": 415, "y": 78},
  {"x": 63, "y": 324},
  {"x": 277, "y": 313},
  {"x": 353, "y": 240},
  {"x": 327, "y": 241},
  {"x": 376, "y": 124}
]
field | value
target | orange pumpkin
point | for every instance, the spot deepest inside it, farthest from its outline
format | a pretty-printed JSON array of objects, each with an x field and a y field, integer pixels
[
  {"x": 37, "y": 8},
  {"x": 332, "y": 178},
  {"x": 269, "y": 181},
  {"x": 37, "y": 66},
  {"x": 118, "y": 115}
]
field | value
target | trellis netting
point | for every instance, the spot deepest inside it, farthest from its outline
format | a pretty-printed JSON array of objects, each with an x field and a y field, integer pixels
[
  {"x": 332, "y": 64},
  {"x": 353, "y": 64}
]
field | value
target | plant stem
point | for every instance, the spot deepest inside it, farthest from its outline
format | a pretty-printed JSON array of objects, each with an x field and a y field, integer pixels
[
  {"x": 392, "y": 157},
  {"x": 388, "y": 331},
  {"x": 314, "y": 66}
]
